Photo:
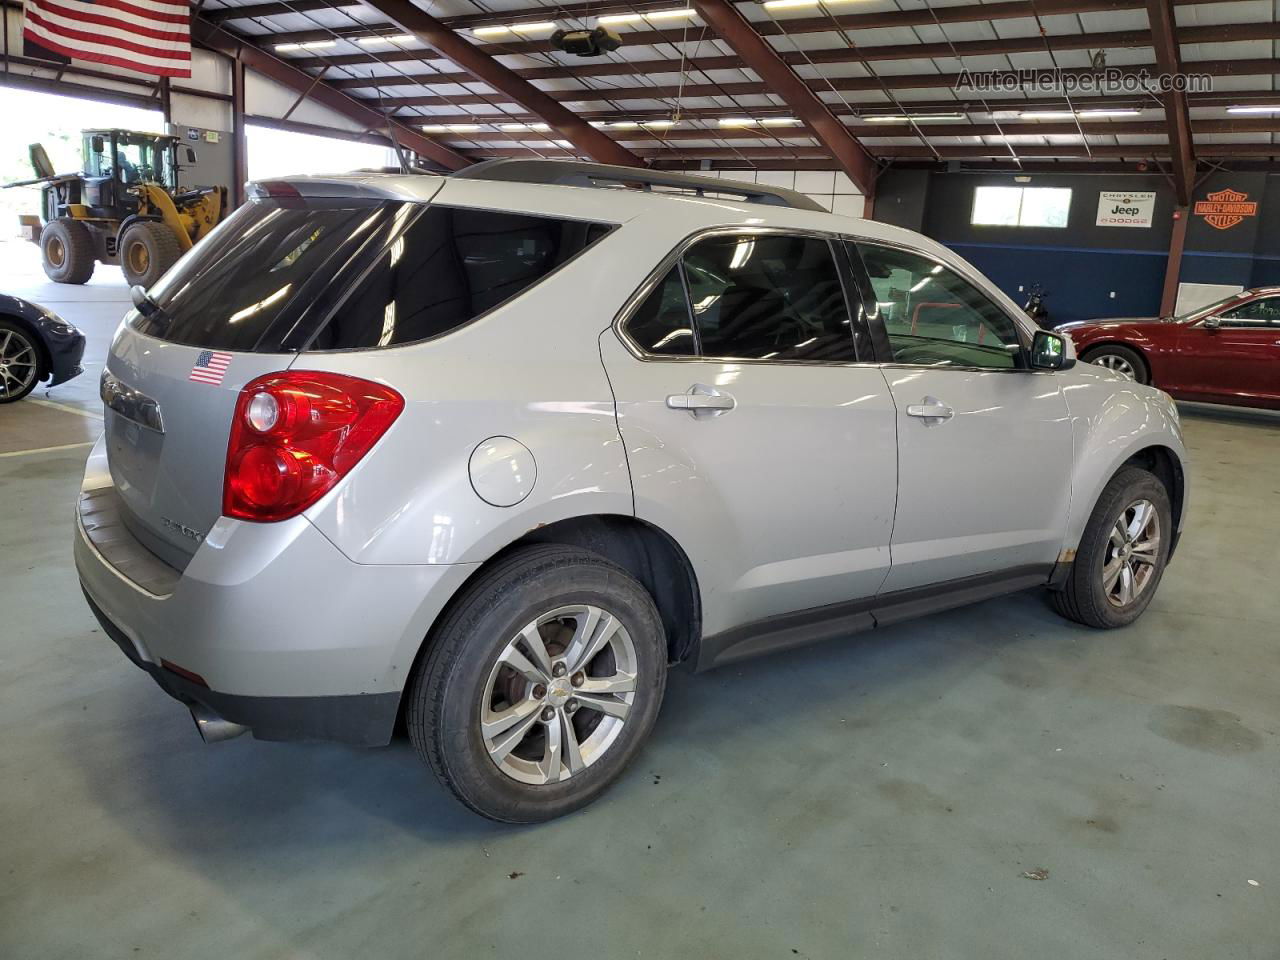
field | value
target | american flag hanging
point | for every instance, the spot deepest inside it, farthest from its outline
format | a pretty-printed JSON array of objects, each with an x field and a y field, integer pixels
[
  {"x": 211, "y": 367},
  {"x": 149, "y": 36}
]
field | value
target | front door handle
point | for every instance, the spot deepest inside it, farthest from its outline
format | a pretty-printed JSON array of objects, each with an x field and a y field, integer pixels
[
  {"x": 930, "y": 410},
  {"x": 702, "y": 401}
]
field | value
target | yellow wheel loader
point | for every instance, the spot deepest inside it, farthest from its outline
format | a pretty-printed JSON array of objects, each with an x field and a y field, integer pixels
[{"x": 124, "y": 207}]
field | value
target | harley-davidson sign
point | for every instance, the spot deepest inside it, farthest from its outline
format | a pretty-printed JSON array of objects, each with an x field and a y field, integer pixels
[{"x": 1225, "y": 208}]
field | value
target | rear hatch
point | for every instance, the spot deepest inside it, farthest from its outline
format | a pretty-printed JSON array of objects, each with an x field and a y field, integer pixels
[{"x": 243, "y": 303}]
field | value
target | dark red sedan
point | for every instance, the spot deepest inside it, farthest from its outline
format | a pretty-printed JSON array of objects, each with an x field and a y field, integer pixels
[{"x": 1227, "y": 352}]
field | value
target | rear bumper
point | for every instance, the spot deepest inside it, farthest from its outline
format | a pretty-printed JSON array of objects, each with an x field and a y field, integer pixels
[
  {"x": 290, "y": 637},
  {"x": 362, "y": 719}
]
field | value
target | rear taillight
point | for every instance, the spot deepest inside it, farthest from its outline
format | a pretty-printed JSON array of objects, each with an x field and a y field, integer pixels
[{"x": 295, "y": 435}]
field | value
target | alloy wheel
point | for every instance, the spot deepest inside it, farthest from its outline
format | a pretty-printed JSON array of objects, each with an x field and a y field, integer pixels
[
  {"x": 18, "y": 363},
  {"x": 1113, "y": 361},
  {"x": 1132, "y": 553},
  {"x": 559, "y": 694}
]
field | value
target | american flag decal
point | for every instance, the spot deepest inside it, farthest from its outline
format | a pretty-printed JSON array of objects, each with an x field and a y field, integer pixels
[
  {"x": 149, "y": 36},
  {"x": 210, "y": 367}
]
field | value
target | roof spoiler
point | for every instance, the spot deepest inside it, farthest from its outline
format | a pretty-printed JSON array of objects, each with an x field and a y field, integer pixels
[{"x": 578, "y": 173}]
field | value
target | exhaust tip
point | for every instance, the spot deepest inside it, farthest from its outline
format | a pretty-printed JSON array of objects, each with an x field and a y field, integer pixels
[{"x": 213, "y": 728}]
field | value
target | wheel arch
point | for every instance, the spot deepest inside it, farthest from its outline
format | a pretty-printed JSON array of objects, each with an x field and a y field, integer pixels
[
  {"x": 644, "y": 550},
  {"x": 1168, "y": 468},
  {"x": 1119, "y": 424},
  {"x": 1113, "y": 342}
]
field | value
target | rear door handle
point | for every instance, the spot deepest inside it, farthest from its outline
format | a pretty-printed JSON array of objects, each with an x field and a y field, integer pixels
[
  {"x": 702, "y": 401},
  {"x": 930, "y": 409}
]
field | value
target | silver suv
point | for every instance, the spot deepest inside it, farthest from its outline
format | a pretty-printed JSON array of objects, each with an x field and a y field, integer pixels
[{"x": 487, "y": 454}]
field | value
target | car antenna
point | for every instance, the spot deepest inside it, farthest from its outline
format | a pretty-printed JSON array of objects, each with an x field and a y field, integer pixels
[{"x": 405, "y": 166}]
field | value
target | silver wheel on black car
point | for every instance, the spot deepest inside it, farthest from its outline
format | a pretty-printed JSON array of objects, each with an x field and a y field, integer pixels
[
  {"x": 540, "y": 685},
  {"x": 19, "y": 362}
]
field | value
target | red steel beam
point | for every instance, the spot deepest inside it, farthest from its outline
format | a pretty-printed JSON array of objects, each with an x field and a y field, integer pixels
[
  {"x": 1173, "y": 267},
  {"x": 735, "y": 30},
  {"x": 1169, "y": 59},
  {"x": 483, "y": 67},
  {"x": 215, "y": 38}
]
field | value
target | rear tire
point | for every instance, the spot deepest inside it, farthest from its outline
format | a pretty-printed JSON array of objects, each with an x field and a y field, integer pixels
[
  {"x": 1120, "y": 359},
  {"x": 21, "y": 362},
  {"x": 66, "y": 251},
  {"x": 521, "y": 734},
  {"x": 147, "y": 250},
  {"x": 1094, "y": 593}
]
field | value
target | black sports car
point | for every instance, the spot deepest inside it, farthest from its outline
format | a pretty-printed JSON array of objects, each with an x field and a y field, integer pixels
[{"x": 35, "y": 344}]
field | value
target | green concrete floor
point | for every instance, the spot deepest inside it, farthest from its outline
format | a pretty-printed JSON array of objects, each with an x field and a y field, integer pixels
[{"x": 874, "y": 798}]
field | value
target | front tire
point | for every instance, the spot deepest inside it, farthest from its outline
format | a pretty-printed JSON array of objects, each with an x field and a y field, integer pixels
[
  {"x": 1122, "y": 555},
  {"x": 147, "y": 250},
  {"x": 1122, "y": 360},
  {"x": 541, "y": 684}
]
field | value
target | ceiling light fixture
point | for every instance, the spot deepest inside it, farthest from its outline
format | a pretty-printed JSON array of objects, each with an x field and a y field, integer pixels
[
  {"x": 779, "y": 122},
  {"x": 309, "y": 45},
  {"x": 659, "y": 124},
  {"x": 1269, "y": 108},
  {"x": 398, "y": 38},
  {"x": 738, "y": 122},
  {"x": 617, "y": 18},
  {"x": 897, "y": 118},
  {"x": 1108, "y": 113},
  {"x": 498, "y": 31},
  {"x": 624, "y": 125}
]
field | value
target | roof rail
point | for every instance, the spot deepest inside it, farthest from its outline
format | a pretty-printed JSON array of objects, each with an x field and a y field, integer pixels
[{"x": 578, "y": 173}]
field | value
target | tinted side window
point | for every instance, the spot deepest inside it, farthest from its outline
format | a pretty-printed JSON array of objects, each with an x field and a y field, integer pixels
[
  {"x": 768, "y": 298},
  {"x": 447, "y": 267},
  {"x": 661, "y": 323},
  {"x": 1258, "y": 313},
  {"x": 935, "y": 317}
]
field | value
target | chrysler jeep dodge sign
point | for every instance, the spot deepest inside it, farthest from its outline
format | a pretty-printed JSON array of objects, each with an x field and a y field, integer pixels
[{"x": 1126, "y": 209}]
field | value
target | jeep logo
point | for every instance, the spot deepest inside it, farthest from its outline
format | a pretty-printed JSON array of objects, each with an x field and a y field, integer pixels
[{"x": 1125, "y": 211}]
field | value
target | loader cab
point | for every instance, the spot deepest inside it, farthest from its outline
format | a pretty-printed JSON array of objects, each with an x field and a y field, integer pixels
[{"x": 128, "y": 157}]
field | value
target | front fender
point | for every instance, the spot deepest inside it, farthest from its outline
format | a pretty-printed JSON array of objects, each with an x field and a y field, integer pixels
[{"x": 1113, "y": 421}]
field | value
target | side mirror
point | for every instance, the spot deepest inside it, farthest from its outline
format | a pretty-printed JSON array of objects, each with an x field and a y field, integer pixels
[
  {"x": 144, "y": 304},
  {"x": 1212, "y": 323},
  {"x": 97, "y": 144},
  {"x": 1052, "y": 351},
  {"x": 190, "y": 154}
]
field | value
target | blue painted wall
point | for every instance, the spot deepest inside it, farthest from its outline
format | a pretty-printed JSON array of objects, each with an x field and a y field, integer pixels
[
  {"x": 1082, "y": 264},
  {"x": 1079, "y": 280}
]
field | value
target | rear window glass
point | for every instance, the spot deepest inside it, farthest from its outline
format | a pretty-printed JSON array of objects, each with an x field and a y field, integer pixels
[{"x": 290, "y": 275}]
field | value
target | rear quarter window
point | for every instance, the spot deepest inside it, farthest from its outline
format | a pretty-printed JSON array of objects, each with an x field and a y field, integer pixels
[{"x": 449, "y": 266}]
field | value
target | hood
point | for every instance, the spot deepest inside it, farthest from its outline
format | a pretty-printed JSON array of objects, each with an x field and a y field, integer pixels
[{"x": 1111, "y": 322}]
